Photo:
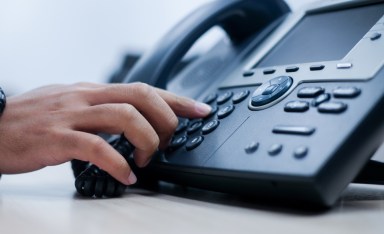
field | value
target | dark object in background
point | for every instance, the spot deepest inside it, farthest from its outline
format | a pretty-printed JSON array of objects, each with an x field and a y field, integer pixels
[{"x": 130, "y": 60}]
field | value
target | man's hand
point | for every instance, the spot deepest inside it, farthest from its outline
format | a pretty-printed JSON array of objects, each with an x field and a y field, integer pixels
[{"x": 55, "y": 124}]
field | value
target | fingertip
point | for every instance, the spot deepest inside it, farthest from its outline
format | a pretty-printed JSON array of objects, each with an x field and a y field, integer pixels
[
  {"x": 132, "y": 179},
  {"x": 202, "y": 108},
  {"x": 141, "y": 158}
]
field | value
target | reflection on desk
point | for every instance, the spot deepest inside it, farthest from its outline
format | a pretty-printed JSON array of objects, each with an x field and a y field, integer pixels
[{"x": 46, "y": 202}]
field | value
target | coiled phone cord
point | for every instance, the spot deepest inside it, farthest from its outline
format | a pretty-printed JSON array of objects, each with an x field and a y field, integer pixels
[{"x": 92, "y": 181}]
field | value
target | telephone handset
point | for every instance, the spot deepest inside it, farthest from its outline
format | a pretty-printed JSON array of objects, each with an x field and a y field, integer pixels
[
  {"x": 239, "y": 18},
  {"x": 297, "y": 97}
]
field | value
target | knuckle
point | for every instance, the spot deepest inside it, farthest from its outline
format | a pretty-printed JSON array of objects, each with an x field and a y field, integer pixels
[
  {"x": 96, "y": 145},
  {"x": 154, "y": 143},
  {"x": 179, "y": 102},
  {"x": 172, "y": 123},
  {"x": 128, "y": 110},
  {"x": 144, "y": 90},
  {"x": 81, "y": 84}
]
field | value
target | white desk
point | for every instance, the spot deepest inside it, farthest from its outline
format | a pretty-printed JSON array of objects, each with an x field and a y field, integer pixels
[{"x": 46, "y": 202}]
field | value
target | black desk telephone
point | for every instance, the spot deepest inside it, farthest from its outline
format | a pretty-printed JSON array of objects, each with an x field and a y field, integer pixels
[{"x": 298, "y": 102}]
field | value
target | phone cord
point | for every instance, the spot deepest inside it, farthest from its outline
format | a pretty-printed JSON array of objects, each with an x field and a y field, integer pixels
[{"x": 92, "y": 181}]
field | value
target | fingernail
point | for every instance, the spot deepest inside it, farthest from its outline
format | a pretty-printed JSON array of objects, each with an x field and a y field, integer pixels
[
  {"x": 132, "y": 179},
  {"x": 202, "y": 108}
]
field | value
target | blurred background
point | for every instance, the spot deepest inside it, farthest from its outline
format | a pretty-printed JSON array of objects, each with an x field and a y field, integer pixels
[{"x": 66, "y": 41}]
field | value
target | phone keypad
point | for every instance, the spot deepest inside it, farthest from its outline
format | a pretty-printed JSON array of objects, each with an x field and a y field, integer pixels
[{"x": 190, "y": 132}]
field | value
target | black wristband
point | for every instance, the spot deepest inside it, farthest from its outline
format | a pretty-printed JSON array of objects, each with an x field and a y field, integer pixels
[{"x": 3, "y": 101}]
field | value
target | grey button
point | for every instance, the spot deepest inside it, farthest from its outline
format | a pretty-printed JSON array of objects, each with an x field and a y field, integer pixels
[
  {"x": 320, "y": 99},
  {"x": 252, "y": 147},
  {"x": 346, "y": 92},
  {"x": 296, "y": 106},
  {"x": 344, "y": 65},
  {"x": 332, "y": 107},
  {"x": 275, "y": 149},
  {"x": 309, "y": 92},
  {"x": 293, "y": 129},
  {"x": 375, "y": 36},
  {"x": 300, "y": 152}
]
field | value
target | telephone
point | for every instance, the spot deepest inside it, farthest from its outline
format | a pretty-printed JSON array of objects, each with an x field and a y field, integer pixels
[{"x": 297, "y": 97}]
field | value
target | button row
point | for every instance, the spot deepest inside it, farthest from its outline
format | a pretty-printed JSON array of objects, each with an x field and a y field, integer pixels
[
  {"x": 275, "y": 149},
  {"x": 315, "y": 67},
  {"x": 194, "y": 142},
  {"x": 183, "y": 140},
  {"x": 339, "y": 92},
  {"x": 322, "y": 100},
  {"x": 224, "y": 97}
]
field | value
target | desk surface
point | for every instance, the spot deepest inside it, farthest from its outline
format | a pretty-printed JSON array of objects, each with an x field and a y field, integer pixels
[{"x": 46, "y": 202}]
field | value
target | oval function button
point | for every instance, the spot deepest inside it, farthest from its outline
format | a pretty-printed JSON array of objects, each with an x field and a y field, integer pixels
[
  {"x": 346, "y": 92},
  {"x": 248, "y": 73},
  {"x": 225, "y": 111},
  {"x": 375, "y": 36},
  {"x": 194, "y": 126},
  {"x": 344, "y": 65},
  {"x": 210, "y": 126},
  {"x": 316, "y": 67},
  {"x": 213, "y": 112},
  {"x": 310, "y": 92},
  {"x": 177, "y": 142},
  {"x": 194, "y": 142},
  {"x": 252, "y": 147},
  {"x": 210, "y": 98},
  {"x": 296, "y": 106},
  {"x": 300, "y": 152},
  {"x": 293, "y": 129},
  {"x": 269, "y": 71},
  {"x": 292, "y": 69},
  {"x": 275, "y": 149},
  {"x": 271, "y": 90},
  {"x": 239, "y": 97},
  {"x": 222, "y": 98},
  {"x": 332, "y": 107},
  {"x": 183, "y": 124},
  {"x": 320, "y": 99}
]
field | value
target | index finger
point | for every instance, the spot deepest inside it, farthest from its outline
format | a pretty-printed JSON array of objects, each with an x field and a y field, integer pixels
[{"x": 183, "y": 106}]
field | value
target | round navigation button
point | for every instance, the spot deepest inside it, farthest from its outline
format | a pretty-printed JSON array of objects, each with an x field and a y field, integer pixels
[{"x": 271, "y": 90}]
